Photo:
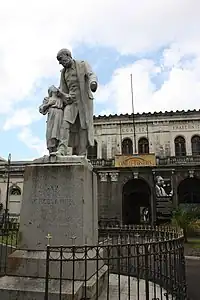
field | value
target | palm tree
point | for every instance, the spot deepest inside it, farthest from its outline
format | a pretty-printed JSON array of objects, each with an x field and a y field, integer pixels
[{"x": 186, "y": 218}]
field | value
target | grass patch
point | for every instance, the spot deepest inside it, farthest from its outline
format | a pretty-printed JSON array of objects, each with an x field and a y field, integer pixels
[
  {"x": 193, "y": 243},
  {"x": 10, "y": 239}
]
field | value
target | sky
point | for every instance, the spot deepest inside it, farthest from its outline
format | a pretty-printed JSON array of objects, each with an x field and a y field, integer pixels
[{"x": 156, "y": 41}]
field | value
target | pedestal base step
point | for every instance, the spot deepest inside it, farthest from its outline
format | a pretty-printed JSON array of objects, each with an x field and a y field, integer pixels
[
  {"x": 21, "y": 288},
  {"x": 26, "y": 288}
]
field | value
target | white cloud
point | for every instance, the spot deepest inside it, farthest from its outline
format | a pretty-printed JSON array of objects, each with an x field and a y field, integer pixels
[
  {"x": 181, "y": 90},
  {"x": 22, "y": 117},
  {"x": 118, "y": 90},
  {"x": 32, "y": 141},
  {"x": 33, "y": 31}
]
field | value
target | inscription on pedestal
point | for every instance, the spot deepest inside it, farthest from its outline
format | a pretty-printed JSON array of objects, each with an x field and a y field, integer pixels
[
  {"x": 50, "y": 201},
  {"x": 61, "y": 201}
]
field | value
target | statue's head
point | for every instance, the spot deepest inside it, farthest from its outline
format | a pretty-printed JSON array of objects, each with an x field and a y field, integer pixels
[
  {"x": 64, "y": 57},
  {"x": 159, "y": 180},
  {"x": 52, "y": 90}
]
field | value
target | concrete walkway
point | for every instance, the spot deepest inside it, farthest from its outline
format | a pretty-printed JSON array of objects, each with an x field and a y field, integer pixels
[
  {"x": 136, "y": 287},
  {"x": 193, "y": 277}
]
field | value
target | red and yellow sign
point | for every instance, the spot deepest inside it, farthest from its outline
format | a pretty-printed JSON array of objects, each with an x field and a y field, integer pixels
[{"x": 136, "y": 160}]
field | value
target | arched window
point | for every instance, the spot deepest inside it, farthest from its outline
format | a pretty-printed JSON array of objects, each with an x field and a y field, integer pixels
[
  {"x": 15, "y": 199},
  {"x": 15, "y": 191},
  {"x": 92, "y": 151},
  {"x": 127, "y": 147},
  {"x": 180, "y": 149},
  {"x": 195, "y": 145},
  {"x": 143, "y": 146}
]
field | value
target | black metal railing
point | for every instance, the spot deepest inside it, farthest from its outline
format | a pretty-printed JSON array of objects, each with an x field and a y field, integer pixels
[
  {"x": 144, "y": 264},
  {"x": 101, "y": 162},
  {"x": 161, "y": 161},
  {"x": 140, "y": 233},
  {"x": 105, "y": 163},
  {"x": 134, "y": 262},
  {"x": 178, "y": 160},
  {"x": 9, "y": 235}
]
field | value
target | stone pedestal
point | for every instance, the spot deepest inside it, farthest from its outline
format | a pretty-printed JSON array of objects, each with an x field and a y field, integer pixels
[{"x": 60, "y": 199}]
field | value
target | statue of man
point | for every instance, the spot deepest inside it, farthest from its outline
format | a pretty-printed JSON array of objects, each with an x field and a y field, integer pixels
[{"x": 77, "y": 83}]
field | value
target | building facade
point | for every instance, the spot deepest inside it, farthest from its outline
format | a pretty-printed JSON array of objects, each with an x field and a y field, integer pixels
[{"x": 147, "y": 164}]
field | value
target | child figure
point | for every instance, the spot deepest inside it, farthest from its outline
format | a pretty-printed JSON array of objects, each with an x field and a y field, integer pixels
[{"x": 53, "y": 105}]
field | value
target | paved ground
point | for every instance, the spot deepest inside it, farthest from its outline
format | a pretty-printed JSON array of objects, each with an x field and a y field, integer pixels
[
  {"x": 136, "y": 289},
  {"x": 193, "y": 278}
]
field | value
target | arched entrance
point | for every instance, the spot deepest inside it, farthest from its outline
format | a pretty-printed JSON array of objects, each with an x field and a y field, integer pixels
[
  {"x": 136, "y": 201},
  {"x": 189, "y": 191}
]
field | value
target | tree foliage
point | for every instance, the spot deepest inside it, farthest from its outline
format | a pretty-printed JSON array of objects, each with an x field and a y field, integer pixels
[{"x": 186, "y": 218}]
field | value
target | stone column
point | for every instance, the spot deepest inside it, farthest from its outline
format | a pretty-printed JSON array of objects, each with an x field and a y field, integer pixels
[
  {"x": 116, "y": 196},
  {"x": 188, "y": 146},
  {"x": 99, "y": 148},
  {"x": 103, "y": 195},
  {"x": 109, "y": 147}
]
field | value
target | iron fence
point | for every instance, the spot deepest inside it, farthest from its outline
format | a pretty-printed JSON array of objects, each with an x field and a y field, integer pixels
[
  {"x": 128, "y": 262},
  {"x": 122, "y": 266},
  {"x": 9, "y": 235}
]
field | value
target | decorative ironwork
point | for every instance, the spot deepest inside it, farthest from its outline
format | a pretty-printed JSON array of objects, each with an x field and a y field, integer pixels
[
  {"x": 161, "y": 161},
  {"x": 9, "y": 237},
  {"x": 178, "y": 160},
  {"x": 49, "y": 237},
  {"x": 145, "y": 262},
  {"x": 138, "y": 261},
  {"x": 101, "y": 163}
]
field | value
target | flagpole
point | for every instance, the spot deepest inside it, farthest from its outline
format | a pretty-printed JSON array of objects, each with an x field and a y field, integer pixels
[
  {"x": 120, "y": 124},
  {"x": 133, "y": 115}
]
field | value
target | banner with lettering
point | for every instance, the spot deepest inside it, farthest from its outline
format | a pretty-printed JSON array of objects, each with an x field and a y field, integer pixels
[
  {"x": 164, "y": 194},
  {"x": 136, "y": 160}
]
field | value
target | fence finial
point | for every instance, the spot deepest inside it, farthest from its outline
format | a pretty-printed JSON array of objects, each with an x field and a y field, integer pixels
[{"x": 49, "y": 237}]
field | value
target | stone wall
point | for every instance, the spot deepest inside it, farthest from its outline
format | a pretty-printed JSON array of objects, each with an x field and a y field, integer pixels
[{"x": 159, "y": 129}]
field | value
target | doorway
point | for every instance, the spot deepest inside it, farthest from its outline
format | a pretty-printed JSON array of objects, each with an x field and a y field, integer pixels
[
  {"x": 189, "y": 191},
  {"x": 136, "y": 202}
]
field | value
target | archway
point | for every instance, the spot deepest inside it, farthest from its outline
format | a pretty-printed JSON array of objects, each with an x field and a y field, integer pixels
[
  {"x": 189, "y": 191},
  {"x": 136, "y": 197}
]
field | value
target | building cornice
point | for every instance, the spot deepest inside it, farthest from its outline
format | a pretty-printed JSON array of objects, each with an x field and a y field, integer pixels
[{"x": 178, "y": 113}]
